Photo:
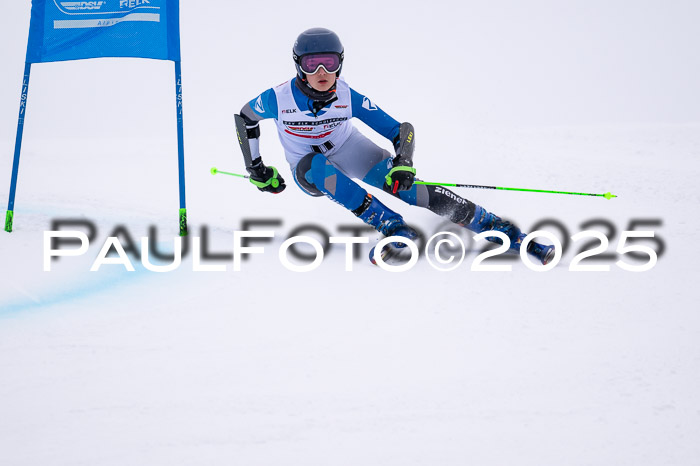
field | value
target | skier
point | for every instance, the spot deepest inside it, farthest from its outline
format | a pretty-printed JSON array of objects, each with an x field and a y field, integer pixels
[{"x": 326, "y": 152}]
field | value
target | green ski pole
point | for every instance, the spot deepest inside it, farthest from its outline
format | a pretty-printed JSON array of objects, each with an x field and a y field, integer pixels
[
  {"x": 273, "y": 181},
  {"x": 607, "y": 195},
  {"x": 215, "y": 171}
]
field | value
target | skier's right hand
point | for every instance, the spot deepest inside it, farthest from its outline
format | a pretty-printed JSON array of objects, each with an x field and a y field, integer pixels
[
  {"x": 267, "y": 179},
  {"x": 400, "y": 177}
]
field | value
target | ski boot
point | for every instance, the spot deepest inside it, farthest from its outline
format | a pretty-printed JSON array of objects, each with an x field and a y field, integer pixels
[
  {"x": 395, "y": 253},
  {"x": 486, "y": 221},
  {"x": 545, "y": 253},
  {"x": 388, "y": 223}
]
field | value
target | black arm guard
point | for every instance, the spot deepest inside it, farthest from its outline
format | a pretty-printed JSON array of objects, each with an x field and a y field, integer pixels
[
  {"x": 404, "y": 144},
  {"x": 248, "y": 131},
  {"x": 242, "y": 134},
  {"x": 251, "y": 122}
]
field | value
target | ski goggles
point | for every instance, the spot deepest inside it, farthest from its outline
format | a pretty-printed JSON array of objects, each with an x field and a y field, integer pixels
[{"x": 311, "y": 63}]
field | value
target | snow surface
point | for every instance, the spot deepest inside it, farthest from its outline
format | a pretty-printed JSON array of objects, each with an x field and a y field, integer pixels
[{"x": 268, "y": 367}]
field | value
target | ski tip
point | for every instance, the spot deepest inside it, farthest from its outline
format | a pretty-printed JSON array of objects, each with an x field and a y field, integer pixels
[
  {"x": 609, "y": 196},
  {"x": 213, "y": 171}
]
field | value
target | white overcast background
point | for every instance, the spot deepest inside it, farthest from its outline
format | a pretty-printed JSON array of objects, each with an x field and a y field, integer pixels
[{"x": 268, "y": 367}]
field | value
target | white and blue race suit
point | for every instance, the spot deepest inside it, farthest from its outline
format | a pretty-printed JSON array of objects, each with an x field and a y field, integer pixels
[
  {"x": 326, "y": 152},
  {"x": 301, "y": 131},
  {"x": 335, "y": 152}
]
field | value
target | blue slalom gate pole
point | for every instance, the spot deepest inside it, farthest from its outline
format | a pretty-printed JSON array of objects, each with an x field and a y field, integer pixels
[
  {"x": 9, "y": 217},
  {"x": 180, "y": 149}
]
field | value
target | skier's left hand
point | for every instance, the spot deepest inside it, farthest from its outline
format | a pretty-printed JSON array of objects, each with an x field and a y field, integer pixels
[{"x": 399, "y": 178}]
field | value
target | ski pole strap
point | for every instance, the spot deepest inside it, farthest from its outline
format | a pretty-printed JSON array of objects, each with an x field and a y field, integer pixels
[
  {"x": 400, "y": 168},
  {"x": 272, "y": 181}
]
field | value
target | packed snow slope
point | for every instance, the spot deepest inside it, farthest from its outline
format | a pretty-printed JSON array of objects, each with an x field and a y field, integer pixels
[{"x": 265, "y": 366}]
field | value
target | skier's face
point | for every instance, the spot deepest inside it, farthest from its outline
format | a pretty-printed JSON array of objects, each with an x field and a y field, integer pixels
[{"x": 321, "y": 80}]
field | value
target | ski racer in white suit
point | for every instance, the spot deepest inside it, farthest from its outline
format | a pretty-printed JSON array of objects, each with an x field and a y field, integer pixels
[{"x": 326, "y": 153}]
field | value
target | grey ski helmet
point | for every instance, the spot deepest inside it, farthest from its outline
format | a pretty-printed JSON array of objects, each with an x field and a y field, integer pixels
[{"x": 317, "y": 41}]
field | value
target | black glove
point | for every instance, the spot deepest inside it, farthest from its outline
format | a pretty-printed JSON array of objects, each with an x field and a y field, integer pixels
[
  {"x": 266, "y": 178},
  {"x": 400, "y": 177}
]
